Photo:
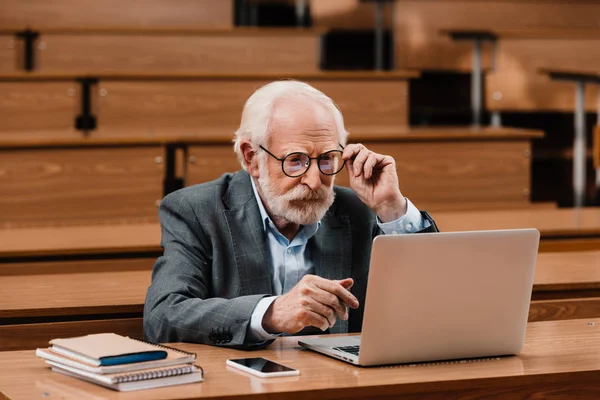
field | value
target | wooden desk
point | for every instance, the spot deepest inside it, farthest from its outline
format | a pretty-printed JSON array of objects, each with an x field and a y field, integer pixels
[
  {"x": 566, "y": 286},
  {"x": 174, "y": 49},
  {"x": 147, "y": 103},
  {"x": 113, "y": 239},
  {"x": 561, "y": 229},
  {"x": 115, "y": 14},
  {"x": 42, "y": 300},
  {"x": 558, "y": 358},
  {"x": 469, "y": 168},
  {"x": 439, "y": 167}
]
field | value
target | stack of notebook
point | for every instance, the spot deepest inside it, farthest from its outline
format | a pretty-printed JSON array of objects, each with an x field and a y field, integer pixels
[{"x": 121, "y": 363}]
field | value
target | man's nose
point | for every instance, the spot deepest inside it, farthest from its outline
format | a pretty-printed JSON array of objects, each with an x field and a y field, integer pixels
[{"x": 312, "y": 177}]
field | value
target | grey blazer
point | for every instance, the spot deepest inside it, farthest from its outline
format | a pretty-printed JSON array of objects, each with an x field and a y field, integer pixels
[{"x": 215, "y": 267}]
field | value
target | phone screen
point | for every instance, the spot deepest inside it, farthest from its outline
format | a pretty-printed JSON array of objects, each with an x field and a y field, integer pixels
[{"x": 262, "y": 365}]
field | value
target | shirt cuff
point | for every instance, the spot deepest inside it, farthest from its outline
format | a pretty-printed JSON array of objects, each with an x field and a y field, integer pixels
[
  {"x": 257, "y": 332},
  {"x": 410, "y": 222}
]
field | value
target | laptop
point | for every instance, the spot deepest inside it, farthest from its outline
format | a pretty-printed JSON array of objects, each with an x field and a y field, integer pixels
[{"x": 442, "y": 296}]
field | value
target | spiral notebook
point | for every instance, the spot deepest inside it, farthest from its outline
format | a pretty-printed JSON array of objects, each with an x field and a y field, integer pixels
[
  {"x": 104, "y": 349},
  {"x": 71, "y": 350},
  {"x": 143, "y": 379}
]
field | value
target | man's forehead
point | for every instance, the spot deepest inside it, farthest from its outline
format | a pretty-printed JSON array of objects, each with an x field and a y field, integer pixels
[{"x": 301, "y": 111}]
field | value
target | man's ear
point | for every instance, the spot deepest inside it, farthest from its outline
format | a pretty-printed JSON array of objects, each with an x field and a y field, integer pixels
[{"x": 250, "y": 158}]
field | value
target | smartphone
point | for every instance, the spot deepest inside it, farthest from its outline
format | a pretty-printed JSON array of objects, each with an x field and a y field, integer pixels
[{"x": 262, "y": 367}]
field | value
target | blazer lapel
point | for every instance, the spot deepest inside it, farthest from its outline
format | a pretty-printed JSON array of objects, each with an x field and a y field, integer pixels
[
  {"x": 332, "y": 249},
  {"x": 247, "y": 234}
]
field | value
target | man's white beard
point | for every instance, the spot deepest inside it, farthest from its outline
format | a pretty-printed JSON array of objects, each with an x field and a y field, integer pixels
[{"x": 300, "y": 205}]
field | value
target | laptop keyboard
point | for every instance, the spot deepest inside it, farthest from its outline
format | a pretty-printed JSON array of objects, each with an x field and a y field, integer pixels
[{"x": 348, "y": 349}]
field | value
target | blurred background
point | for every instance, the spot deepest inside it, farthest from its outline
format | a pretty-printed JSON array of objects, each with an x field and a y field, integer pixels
[
  {"x": 489, "y": 107},
  {"x": 108, "y": 105}
]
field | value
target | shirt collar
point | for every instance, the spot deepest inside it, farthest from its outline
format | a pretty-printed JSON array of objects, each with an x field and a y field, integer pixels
[{"x": 309, "y": 230}]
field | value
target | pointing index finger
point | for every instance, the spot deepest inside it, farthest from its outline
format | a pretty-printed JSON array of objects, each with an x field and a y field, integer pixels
[{"x": 338, "y": 290}]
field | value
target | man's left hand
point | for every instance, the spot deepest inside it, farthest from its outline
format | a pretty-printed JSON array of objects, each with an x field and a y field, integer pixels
[{"x": 374, "y": 179}]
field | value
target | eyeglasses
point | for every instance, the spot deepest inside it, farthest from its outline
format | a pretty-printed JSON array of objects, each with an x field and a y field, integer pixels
[{"x": 297, "y": 164}]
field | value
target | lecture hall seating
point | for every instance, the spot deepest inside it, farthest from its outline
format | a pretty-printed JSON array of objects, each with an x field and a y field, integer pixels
[
  {"x": 116, "y": 13},
  {"x": 417, "y": 24},
  {"x": 102, "y": 186},
  {"x": 70, "y": 181},
  {"x": 146, "y": 104},
  {"x": 516, "y": 83},
  {"x": 46, "y": 299},
  {"x": 160, "y": 49}
]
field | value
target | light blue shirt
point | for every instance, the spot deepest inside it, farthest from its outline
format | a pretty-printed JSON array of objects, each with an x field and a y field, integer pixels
[{"x": 290, "y": 260}]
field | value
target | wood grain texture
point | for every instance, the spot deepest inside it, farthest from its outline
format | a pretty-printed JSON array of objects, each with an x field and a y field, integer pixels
[
  {"x": 62, "y": 288},
  {"x": 566, "y": 244},
  {"x": 66, "y": 267},
  {"x": 566, "y": 226},
  {"x": 564, "y": 309},
  {"x": 578, "y": 270},
  {"x": 38, "y": 108},
  {"x": 162, "y": 76},
  {"x": 180, "y": 51},
  {"x": 32, "y": 336},
  {"x": 559, "y": 360},
  {"x": 517, "y": 85},
  {"x": 475, "y": 174},
  {"x": 115, "y": 13},
  {"x": 454, "y": 172},
  {"x": 74, "y": 288},
  {"x": 8, "y": 54},
  {"x": 372, "y": 135},
  {"x": 200, "y": 107},
  {"x": 418, "y": 24},
  {"x": 106, "y": 238},
  {"x": 207, "y": 163},
  {"x": 552, "y": 223},
  {"x": 39, "y": 186}
]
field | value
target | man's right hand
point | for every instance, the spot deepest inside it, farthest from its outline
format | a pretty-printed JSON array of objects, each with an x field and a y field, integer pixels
[{"x": 314, "y": 301}]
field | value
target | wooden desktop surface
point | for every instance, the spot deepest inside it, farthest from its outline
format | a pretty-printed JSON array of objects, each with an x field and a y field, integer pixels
[
  {"x": 76, "y": 240},
  {"x": 583, "y": 73},
  {"x": 366, "y": 75},
  {"x": 552, "y": 223},
  {"x": 559, "y": 358},
  {"x": 525, "y": 33},
  {"x": 92, "y": 287},
  {"x": 66, "y": 139},
  {"x": 582, "y": 224}
]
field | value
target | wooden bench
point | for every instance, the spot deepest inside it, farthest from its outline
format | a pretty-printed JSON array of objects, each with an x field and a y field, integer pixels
[
  {"x": 71, "y": 298},
  {"x": 101, "y": 50},
  {"x": 67, "y": 180},
  {"x": 561, "y": 230},
  {"x": 85, "y": 184},
  {"x": 43, "y": 300},
  {"x": 516, "y": 84},
  {"x": 417, "y": 24},
  {"x": 146, "y": 104},
  {"x": 567, "y": 286},
  {"x": 116, "y": 13},
  {"x": 439, "y": 168}
]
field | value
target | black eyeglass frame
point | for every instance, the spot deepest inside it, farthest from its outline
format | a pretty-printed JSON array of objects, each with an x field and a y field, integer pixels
[{"x": 318, "y": 158}]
